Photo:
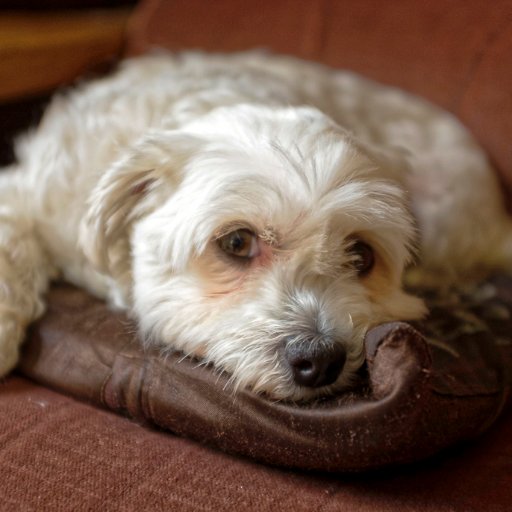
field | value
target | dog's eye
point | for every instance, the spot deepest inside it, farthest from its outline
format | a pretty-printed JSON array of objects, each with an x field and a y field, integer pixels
[
  {"x": 363, "y": 257},
  {"x": 241, "y": 243}
]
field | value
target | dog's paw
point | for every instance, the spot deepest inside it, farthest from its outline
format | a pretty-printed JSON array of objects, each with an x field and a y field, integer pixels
[{"x": 11, "y": 336}]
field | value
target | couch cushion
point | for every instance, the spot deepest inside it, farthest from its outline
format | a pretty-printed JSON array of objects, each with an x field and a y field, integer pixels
[{"x": 60, "y": 454}]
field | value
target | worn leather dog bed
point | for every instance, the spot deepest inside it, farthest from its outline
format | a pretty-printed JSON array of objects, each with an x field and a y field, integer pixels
[{"x": 426, "y": 386}]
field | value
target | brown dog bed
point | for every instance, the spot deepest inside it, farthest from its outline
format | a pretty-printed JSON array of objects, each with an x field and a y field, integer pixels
[{"x": 425, "y": 387}]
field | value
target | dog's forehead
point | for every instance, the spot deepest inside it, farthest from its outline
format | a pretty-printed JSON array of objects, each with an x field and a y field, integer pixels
[
  {"x": 288, "y": 192},
  {"x": 262, "y": 177},
  {"x": 297, "y": 151},
  {"x": 311, "y": 186},
  {"x": 271, "y": 175}
]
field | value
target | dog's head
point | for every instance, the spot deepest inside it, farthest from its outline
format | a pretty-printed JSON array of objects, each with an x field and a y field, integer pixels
[{"x": 266, "y": 241}]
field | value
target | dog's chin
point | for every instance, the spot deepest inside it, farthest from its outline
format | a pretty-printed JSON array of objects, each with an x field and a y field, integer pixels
[
  {"x": 288, "y": 391},
  {"x": 269, "y": 376},
  {"x": 302, "y": 395}
]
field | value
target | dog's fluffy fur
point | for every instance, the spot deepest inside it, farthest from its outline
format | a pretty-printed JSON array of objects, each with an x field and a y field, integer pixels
[{"x": 129, "y": 183}]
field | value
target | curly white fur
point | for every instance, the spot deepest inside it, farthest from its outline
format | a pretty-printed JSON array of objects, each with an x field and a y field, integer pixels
[{"x": 128, "y": 182}]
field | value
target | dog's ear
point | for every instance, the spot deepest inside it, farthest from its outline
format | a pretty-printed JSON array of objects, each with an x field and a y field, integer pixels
[{"x": 132, "y": 187}]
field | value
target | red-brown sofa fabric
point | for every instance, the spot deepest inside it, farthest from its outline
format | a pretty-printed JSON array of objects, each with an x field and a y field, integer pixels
[{"x": 57, "y": 454}]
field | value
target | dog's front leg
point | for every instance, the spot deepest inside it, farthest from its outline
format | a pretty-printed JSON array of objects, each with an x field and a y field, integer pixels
[{"x": 24, "y": 273}]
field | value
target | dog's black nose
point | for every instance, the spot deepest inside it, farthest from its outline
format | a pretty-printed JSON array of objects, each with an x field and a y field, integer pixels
[{"x": 314, "y": 365}]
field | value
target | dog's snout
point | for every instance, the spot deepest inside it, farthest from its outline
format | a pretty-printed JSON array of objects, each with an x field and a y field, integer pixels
[{"x": 314, "y": 365}]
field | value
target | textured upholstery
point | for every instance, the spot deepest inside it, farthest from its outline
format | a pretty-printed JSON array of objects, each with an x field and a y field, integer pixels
[{"x": 57, "y": 454}]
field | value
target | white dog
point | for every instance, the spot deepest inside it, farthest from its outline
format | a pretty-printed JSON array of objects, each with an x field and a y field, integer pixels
[{"x": 249, "y": 210}]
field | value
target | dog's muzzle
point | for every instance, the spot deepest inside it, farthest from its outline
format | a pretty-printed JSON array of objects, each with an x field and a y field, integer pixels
[{"x": 314, "y": 363}]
